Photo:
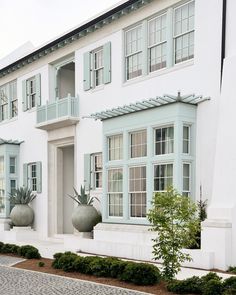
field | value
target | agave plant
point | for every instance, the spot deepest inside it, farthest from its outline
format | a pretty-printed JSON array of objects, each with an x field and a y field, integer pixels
[
  {"x": 21, "y": 195},
  {"x": 82, "y": 198}
]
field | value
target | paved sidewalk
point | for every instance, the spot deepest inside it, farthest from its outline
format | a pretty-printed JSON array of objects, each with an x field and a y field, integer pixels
[
  {"x": 9, "y": 261},
  {"x": 22, "y": 282}
]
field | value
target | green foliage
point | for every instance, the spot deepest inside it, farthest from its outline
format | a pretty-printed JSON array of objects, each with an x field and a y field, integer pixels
[
  {"x": 9, "y": 248},
  {"x": 232, "y": 269},
  {"x": 212, "y": 287},
  {"x": 174, "y": 219},
  {"x": 137, "y": 273},
  {"x": 229, "y": 286},
  {"x": 191, "y": 285},
  {"x": 29, "y": 252},
  {"x": 141, "y": 274},
  {"x": 41, "y": 264},
  {"x": 21, "y": 195},
  {"x": 82, "y": 198}
]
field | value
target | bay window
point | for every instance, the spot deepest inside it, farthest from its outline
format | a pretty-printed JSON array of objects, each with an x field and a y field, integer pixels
[{"x": 115, "y": 192}]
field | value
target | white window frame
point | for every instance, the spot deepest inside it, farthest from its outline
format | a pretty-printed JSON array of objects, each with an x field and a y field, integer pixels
[
  {"x": 96, "y": 171},
  {"x": 96, "y": 70},
  {"x": 4, "y": 102},
  {"x": 132, "y": 54},
  {"x": 32, "y": 180},
  {"x": 31, "y": 92},
  {"x": 13, "y": 99},
  {"x": 130, "y": 192},
  {"x": 15, "y": 165},
  {"x": 188, "y": 32},
  {"x": 157, "y": 44}
]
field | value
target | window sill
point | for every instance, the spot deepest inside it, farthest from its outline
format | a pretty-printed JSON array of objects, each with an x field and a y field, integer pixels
[
  {"x": 97, "y": 88},
  {"x": 9, "y": 121},
  {"x": 160, "y": 72}
]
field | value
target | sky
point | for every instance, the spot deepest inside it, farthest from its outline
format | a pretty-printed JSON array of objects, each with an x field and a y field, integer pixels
[{"x": 40, "y": 21}]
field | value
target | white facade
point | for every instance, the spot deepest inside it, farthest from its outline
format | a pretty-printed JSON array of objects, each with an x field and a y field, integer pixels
[{"x": 60, "y": 142}]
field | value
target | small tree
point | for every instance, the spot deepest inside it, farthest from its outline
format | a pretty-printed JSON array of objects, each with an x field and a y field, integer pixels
[{"x": 174, "y": 218}]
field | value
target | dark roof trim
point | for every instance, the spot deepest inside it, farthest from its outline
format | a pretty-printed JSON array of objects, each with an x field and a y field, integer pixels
[
  {"x": 10, "y": 141},
  {"x": 68, "y": 38}
]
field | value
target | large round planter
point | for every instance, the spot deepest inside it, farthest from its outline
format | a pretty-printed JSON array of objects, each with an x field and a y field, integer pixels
[
  {"x": 84, "y": 218},
  {"x": 22, "y": 215}
]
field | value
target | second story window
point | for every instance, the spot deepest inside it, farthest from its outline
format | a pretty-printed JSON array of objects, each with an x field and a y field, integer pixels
[
  {"x": 98, "y": 67},
  {"x": 157, "y": 43},
  {"x": 133, "y": 52},
  {"x": 13, "y": 99},
  {"x": 3, "y": 103},
  {"x": 184, "y": 32},
  {"x": 31, "y": 89}
]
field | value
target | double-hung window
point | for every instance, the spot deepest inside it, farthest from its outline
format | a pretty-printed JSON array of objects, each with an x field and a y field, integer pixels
[
  {"x": 186, "y": 139},
  {"x": 164, "y": 140},
  {"x": 115, "y": 192},
  {"x": 31, "y": 93},
  {"x": 163, "y": 177},
  {"x": 98, "y": 67},
  {"x": 184, "y": 32},
  {"x": 157, "y": 43},
  {"x": 186, "y": 179},
  {"x": 32, "y": 176},
  {"x": 3, "y": 103},
  {"x": 137, "y": 191},
  {"x": 115, "y": 147},
  {"x": 13, "y": 99},
  {"x": 97, "y": 170},
  {"x": 133, "y": 52},
  {"x": 138, "y": 144}
]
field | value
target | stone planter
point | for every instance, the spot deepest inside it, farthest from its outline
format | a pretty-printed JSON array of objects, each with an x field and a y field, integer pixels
[
  {"x": 22, "y": 215},
  {"x": 84, "y": 218}
]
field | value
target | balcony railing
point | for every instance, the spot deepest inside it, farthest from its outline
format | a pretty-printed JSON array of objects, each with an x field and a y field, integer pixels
[{"x": 63, "y": 112}]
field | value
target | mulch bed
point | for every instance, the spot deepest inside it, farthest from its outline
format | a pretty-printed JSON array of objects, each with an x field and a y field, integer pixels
[{"x": 32, "y": 264}]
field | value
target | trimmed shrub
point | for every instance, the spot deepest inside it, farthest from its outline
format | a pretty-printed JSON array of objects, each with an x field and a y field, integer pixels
[
  {"x": 66, "y": 261},
  {"x": 117, "y": 267},
  {"x": 29, "y": 252},
  {"x": 229, "y": 286},
  {"x": 56, "y": 257},
  {"x": 190, "y": 285},
  {"x": 1, "y": 244},
  {"x": 141, "y": 274},
  {"x": 212, "y": 287},
  {"x": 84, "y": 265},
  {"x": 9, "y": 248},
  {"x": 232, "y": 269}
]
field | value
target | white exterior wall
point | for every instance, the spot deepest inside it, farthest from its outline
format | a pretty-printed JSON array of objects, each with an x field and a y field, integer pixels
[{"x": 200, "y": 76}]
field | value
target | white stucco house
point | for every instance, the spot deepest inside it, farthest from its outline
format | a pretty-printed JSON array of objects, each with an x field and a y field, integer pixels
[{"x": 137, "y": 98}]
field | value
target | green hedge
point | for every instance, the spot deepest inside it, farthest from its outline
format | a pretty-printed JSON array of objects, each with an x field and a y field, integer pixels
[
  {"x": 137, "y": 273},
  {"x": 26, "y": 251},
  {"x": 210, "y": 284}
]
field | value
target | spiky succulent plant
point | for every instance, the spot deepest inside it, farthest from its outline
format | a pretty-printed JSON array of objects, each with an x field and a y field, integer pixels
[
  {"x": 21, "y": 195},
  {"x": 82, "y": 198}
]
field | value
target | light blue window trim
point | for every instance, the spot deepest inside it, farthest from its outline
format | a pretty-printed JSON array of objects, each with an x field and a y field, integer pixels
[{"x": 177, "y": 115}]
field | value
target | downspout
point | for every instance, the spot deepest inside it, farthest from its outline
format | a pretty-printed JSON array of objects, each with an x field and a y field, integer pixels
[{"x": 223, "y": 38}]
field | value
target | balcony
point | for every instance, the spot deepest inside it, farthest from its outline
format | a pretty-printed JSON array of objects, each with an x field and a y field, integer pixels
[{"x": 61, "y": 113}]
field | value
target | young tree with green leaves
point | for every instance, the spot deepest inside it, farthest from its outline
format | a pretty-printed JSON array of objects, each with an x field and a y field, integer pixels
[{"x": 174, "y": 218}]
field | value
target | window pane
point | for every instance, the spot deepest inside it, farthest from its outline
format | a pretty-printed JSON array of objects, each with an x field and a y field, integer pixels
[
  {"x": 138, "y": 144},
  {"x": 186, "y": 139},
  {"x": 1, "y": 165},
  {"x": 186, "y": 179},
  {"x": 163, "y": 176},
  {"x": 164, "y": 140},
  {"x": 115, "y": 147}
]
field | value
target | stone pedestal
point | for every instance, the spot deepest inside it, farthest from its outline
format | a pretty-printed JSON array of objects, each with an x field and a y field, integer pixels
[
  {"x": 5, "y": 224},
  {"x": 21, "y": 234}
]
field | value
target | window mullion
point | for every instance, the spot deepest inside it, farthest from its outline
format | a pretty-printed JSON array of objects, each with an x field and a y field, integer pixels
[{"x": 169, "y": 38}]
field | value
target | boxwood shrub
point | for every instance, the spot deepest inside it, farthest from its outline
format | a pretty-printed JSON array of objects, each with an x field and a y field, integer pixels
[
  {"x": 137, "y": 273},
  {"x": 26, "y": 251},
  {"x": 190, "y": 285}
]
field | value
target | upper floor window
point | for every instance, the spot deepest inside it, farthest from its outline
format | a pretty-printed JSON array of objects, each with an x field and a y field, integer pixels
[
  {"x": 3, "y": 103},
  {"x": 97, "y": 67},
  {"x": 12, "y": 165},
  {"x": 184, "y": 32},
  {"x": 160, "y": 42},
  {"x": 31, "y": 89},
  {"x": 186, "y": 139},
  {"x": 1, "y": 165},
  {"x": 157, "y": 43},
  {"x": 164, "y": 140},
  {"x": 133, "y": 52},
  {"x": 13, "y": 99},
  {"x": 115, "y": 147},
  {"x": 138, "y": 144}
]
